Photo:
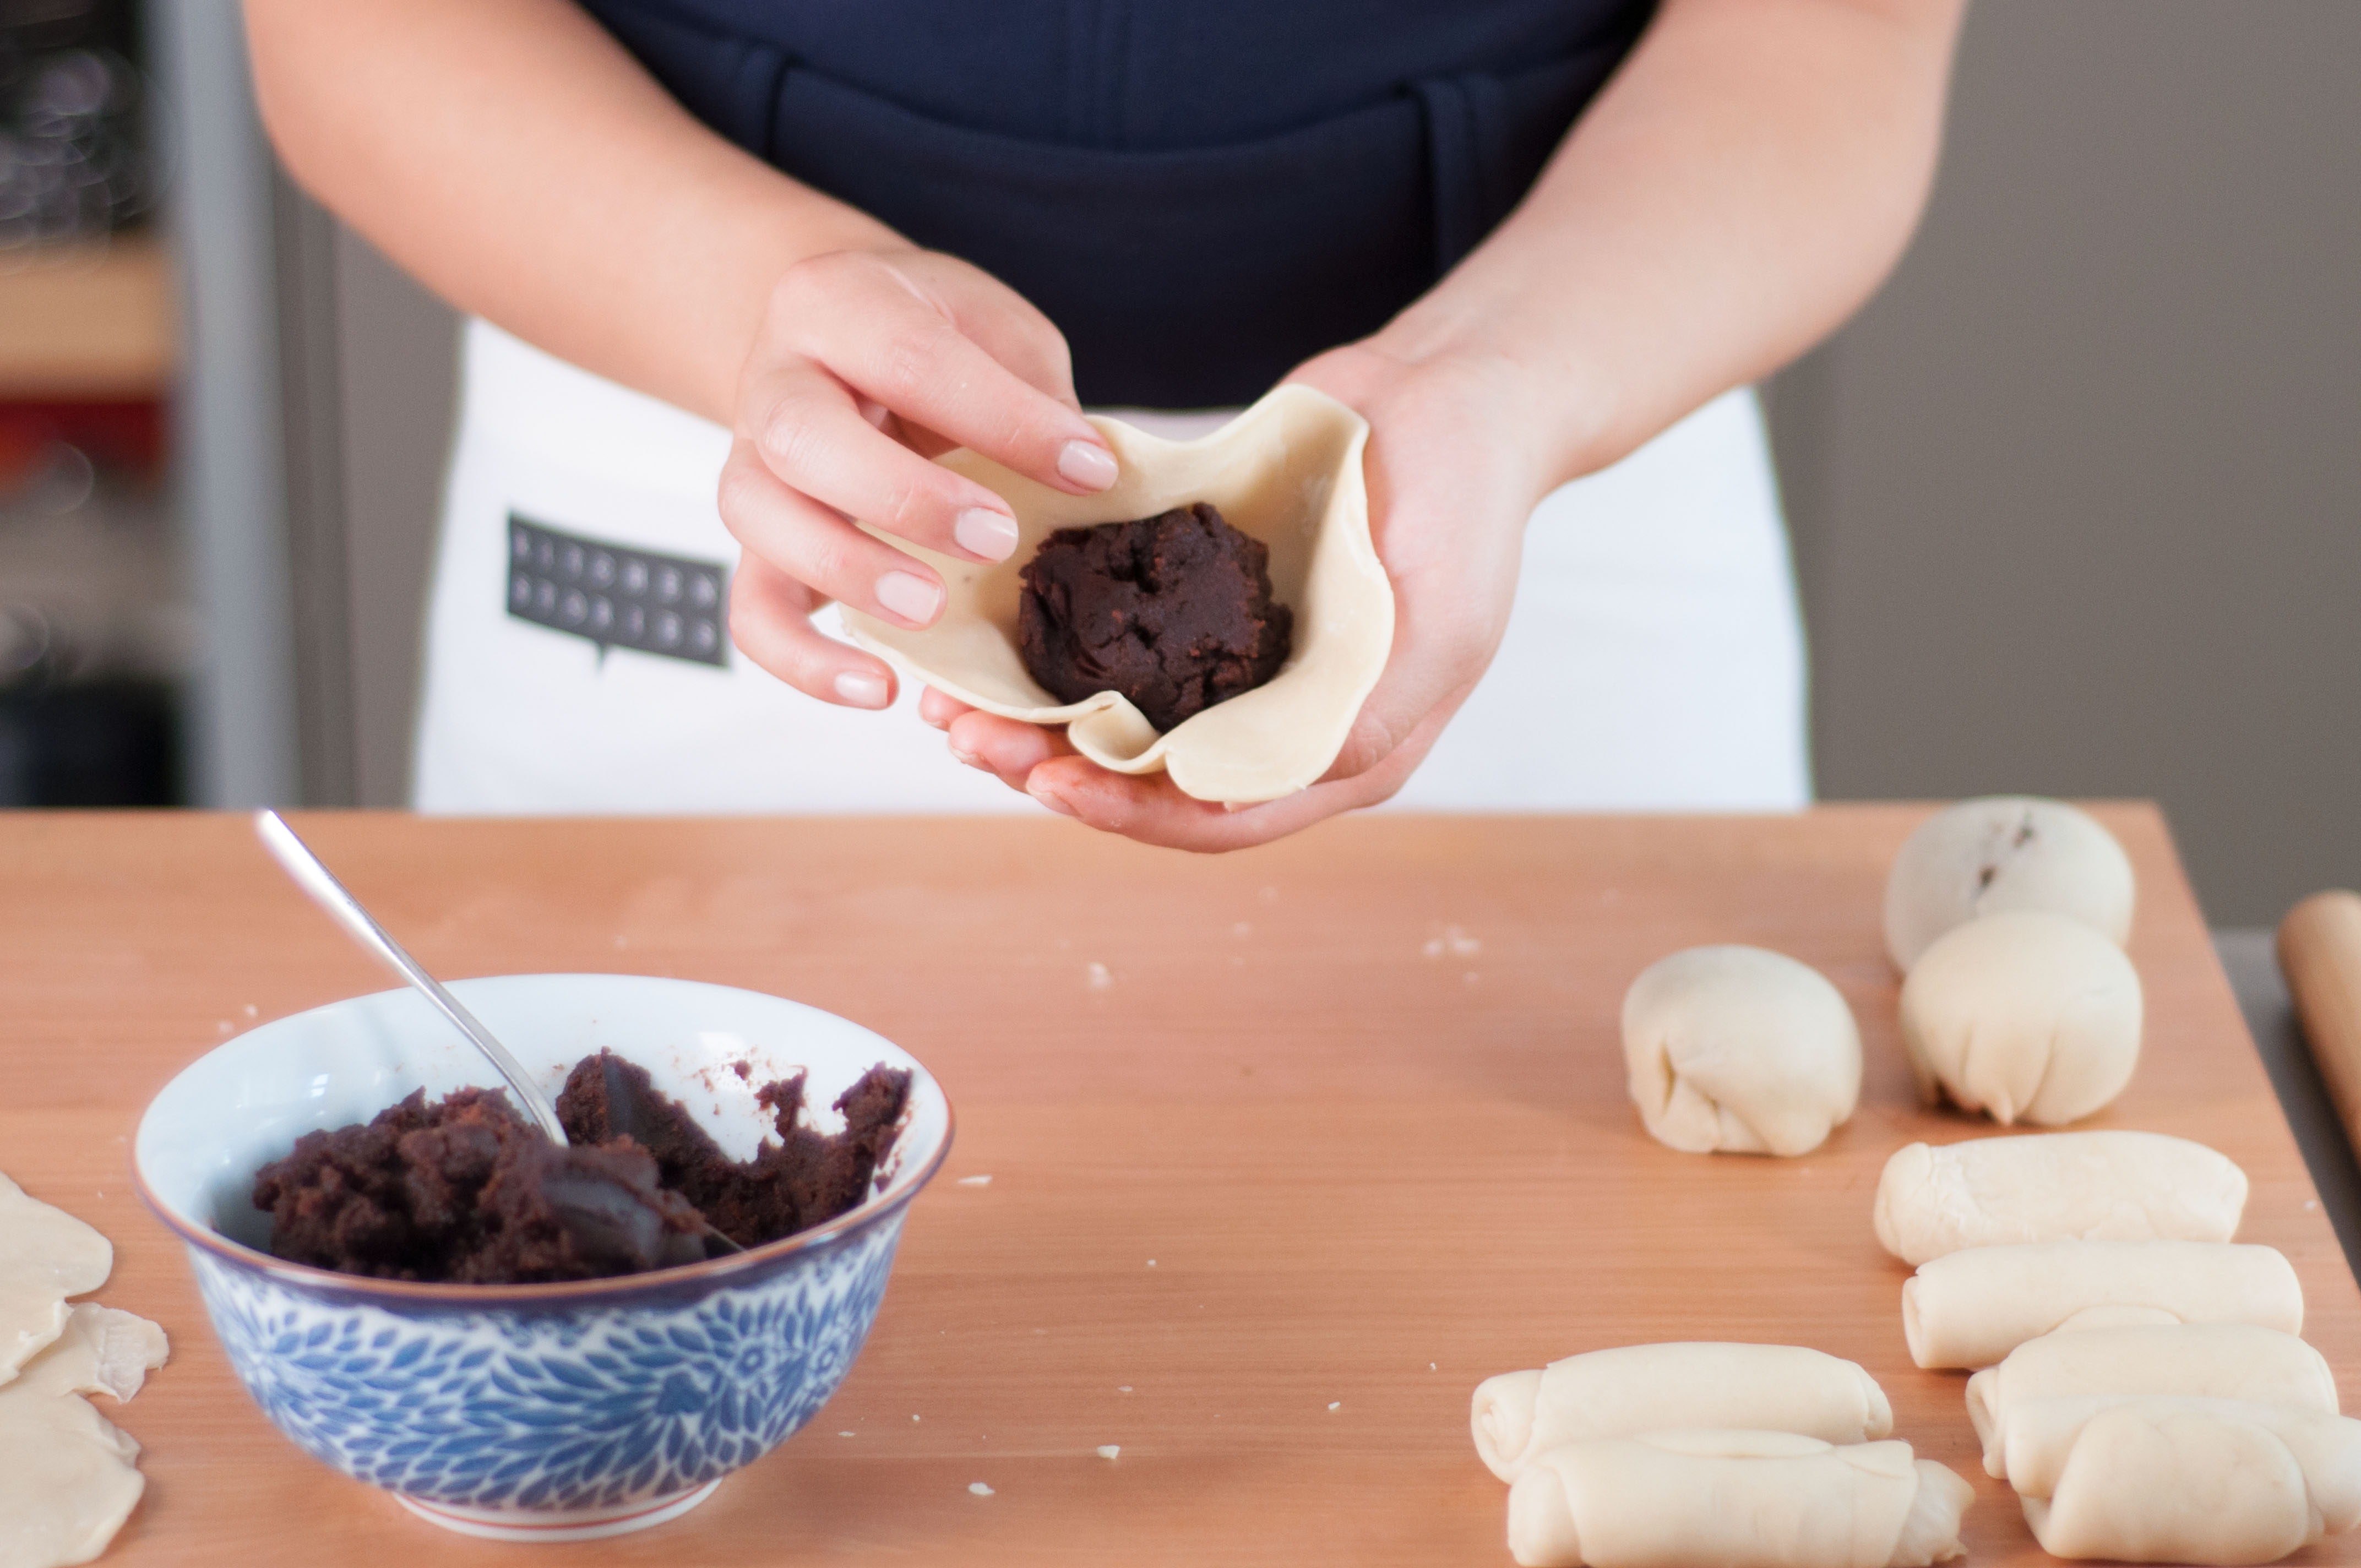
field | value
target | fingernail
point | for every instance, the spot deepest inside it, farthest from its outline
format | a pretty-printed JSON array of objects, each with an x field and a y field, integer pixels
[
  {"x": 983, "y": 532},
  {"x": 862, "y": 690},
  {"x": 1087, "y": 464},
  {"x": 912, "y": 597},
  {"x": 1051, "y": 801},
  {"x": 970, "y": 757}
]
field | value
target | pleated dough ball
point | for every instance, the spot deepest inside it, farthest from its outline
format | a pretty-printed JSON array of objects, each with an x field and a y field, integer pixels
[
  {"x": 1740, "y": 1050},
  {"x": 2004, "y": 852},
  {"x": 2026, "y": 1016}
]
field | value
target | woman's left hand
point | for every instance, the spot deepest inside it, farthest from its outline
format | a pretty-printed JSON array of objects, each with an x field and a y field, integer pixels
[{"x": 1451, "y": 483}]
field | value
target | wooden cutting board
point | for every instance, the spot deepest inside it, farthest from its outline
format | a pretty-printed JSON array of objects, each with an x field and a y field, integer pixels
[{"x": 1287, "y": 1149}]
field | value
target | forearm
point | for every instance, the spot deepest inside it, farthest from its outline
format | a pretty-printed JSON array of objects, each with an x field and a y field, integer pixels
[
  {"x": 521, "y": 165},
  {"x": 1745, "y": 183}
]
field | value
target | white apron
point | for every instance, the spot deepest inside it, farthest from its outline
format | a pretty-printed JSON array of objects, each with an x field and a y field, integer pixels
[{"x": 1653, "y": 662}]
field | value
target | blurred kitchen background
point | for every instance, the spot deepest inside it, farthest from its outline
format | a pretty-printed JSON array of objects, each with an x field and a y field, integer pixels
[{"x": 2076, "y": 503}]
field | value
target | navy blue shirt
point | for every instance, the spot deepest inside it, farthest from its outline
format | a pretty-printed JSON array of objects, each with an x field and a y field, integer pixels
[{"x": 1200, "y": 193}]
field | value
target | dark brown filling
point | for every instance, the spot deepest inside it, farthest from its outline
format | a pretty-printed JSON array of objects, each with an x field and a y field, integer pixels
[
  {"x": 1174, "y": 612},
  {"x": 467, "y": 1191}
]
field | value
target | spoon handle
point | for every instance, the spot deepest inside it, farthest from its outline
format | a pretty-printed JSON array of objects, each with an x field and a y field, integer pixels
[{"x": 329, "y": 895}]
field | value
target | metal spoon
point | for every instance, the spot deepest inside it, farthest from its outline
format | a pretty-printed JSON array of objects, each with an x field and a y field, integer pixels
[{"x": 332, "y": 896}]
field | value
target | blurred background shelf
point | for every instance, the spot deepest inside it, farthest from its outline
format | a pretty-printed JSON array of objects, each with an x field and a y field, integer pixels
[{"x": 87, "y": 322}]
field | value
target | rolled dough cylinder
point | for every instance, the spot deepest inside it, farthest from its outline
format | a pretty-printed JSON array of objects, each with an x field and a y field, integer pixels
[
  {"x": 2043, "y": 1432},
  {"x": 2166, "y": 1480},
  {"x": 2025, "y": 1015},
  {"x": 1635, "y": 1389},
  {"x": 1734, "y": 1499},
  {"x": 1971, "y": 1307},
  {"x": 2097, "y": 1186},
  {"x": 2004, "y": 852},
  {"x": 1740, "y": 1050},
  {"x": 2220, "y": 1361}
]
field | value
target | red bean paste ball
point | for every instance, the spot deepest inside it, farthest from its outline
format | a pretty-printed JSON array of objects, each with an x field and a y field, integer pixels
[{"x": 1173, "y": 611}]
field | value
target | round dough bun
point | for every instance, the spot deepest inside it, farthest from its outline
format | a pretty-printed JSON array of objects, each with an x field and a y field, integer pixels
[
  {"x": 1999, "y": 853},
  {"x": 1740, "y": 1050},
  {"x": 2026, "y": 1016}
]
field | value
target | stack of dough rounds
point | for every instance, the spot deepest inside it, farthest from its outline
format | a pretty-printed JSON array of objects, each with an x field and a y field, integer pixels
[
  {"x": 2002, "y": 853},
  {"x": 1735, "y": 1500},
  {"x": 67, "y": 1480},
  {"x": 1740, "y": 1050},
  {"x": 2096, "y": 1186},
  {"x": 1731, "y": 1455},
  {"x": 1636, "y": 1389},
  {"x": 2216, "y": 1361},
  {"x": 2024, "y": 1016},
  {"x": 1971, "y": 1307}
]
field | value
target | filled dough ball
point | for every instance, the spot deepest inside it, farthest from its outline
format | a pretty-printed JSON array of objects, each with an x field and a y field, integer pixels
[
  {"x": 1636, "y": 1389},
  {"x": 1735, "y": 1500},
  {"x": 2028, "y": 1016},
  {"x": 2209, "y": 1361},
  {"x": 1999, "y": 854},
  {"x": 2183, "y": 1480},
  {"x": 1971, "y": 1307},
  {"x": 1740, "y": 1050},
  {"x": 2096, "y": 1186}
]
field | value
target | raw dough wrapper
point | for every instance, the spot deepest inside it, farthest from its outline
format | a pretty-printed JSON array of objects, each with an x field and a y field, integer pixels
[
  {"x": 2179, "y": 1480},
  {"x": 67, "y": 1481},
  {"x": 46, "y": 1256},
  {"x": 1287, "y": 471},
  {"x": 2101, "y": 1185},
  {"x": 2003, "y": 852},
  {"x": 1740, "y": 1049},
  {"x": 1970, "y": 1308},
  {"x": 2026, "y": 1016},
  {"x": 1635, "y": 1389},
  {"x": 1735, "y": 1500},
  {"x": 2219, "y": 1361}
]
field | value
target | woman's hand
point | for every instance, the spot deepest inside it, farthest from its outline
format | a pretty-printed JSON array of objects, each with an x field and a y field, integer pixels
[
  {"x": 868, "y": 363},
  {"x": 1450, "y": 487}
]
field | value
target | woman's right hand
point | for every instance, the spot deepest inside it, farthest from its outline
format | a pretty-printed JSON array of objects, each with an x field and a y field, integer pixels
[{"x": 868, "y": 363}]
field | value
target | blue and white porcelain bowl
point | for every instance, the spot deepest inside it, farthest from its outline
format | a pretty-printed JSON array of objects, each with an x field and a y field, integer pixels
[{"x": 540, "y": 1412}]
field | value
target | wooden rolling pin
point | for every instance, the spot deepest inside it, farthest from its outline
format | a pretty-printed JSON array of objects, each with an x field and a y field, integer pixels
[{"x": 2320, "y": 952}]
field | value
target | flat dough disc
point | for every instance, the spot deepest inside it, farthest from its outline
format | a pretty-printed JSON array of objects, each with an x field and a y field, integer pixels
[
  {"x": 1287, "y": 472},
  {"x": 46, "y": 1256},
  {"x": 67, "y": 1480}
]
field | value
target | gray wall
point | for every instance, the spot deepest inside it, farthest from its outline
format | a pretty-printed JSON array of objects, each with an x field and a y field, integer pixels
[{"x": 2077, "y": 501}]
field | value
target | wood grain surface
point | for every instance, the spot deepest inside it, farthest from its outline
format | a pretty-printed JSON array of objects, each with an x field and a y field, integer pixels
[{"x": 1287, "y": 1149}]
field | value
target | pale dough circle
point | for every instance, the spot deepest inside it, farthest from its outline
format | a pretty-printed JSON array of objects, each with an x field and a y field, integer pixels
[
  {"x": 2178, "y": 1480},
  {"x": 2222, "y": 1361},
  {"x": 67, "y": 1480},
  {"x": 46, "y": 1256},
  {"x": 2002, "y": 852},
  {"x": 1740, "y": 1050},
  {"x": 1734, "y": 1499},
  {"x": 2094, "y": 1186},
  {"x": 1971, "y": 1307},
  {"x": 2026, "y": 1016},
  {"x": 1287, "y": 472},
  {"x": 1635, "y": 1389}
]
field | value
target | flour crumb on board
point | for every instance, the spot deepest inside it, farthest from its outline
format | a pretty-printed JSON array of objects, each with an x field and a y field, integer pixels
[
  {"x": 1335, "y": 1404},
  {"x": 844, "y": 1434},
  {"x": 1242, "y": 929},
  {"x": 1122, "y": 1387},
  {"x": 914, "y": 1418},
  {"x": 979, "y": 1488},
  {"x": 1109, "y": 1450},
  {"x": 974, "y": 1181},
  {"x": 1097, "y": 977},
  {"x": 1151, "y": 1263},
  {"x": 1454, "y": 941}
]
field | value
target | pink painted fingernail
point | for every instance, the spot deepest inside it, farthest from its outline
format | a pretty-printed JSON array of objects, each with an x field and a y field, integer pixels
[
  {"x": 862, "y": 690},
  {"x": 1087, "y": 464},
  {"x": 983, "y": 532},
  {"x": 912, "y": 597}
]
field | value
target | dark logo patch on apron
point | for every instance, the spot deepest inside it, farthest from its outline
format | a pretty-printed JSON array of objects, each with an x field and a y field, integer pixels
[{"x": 670, "y": 605}]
